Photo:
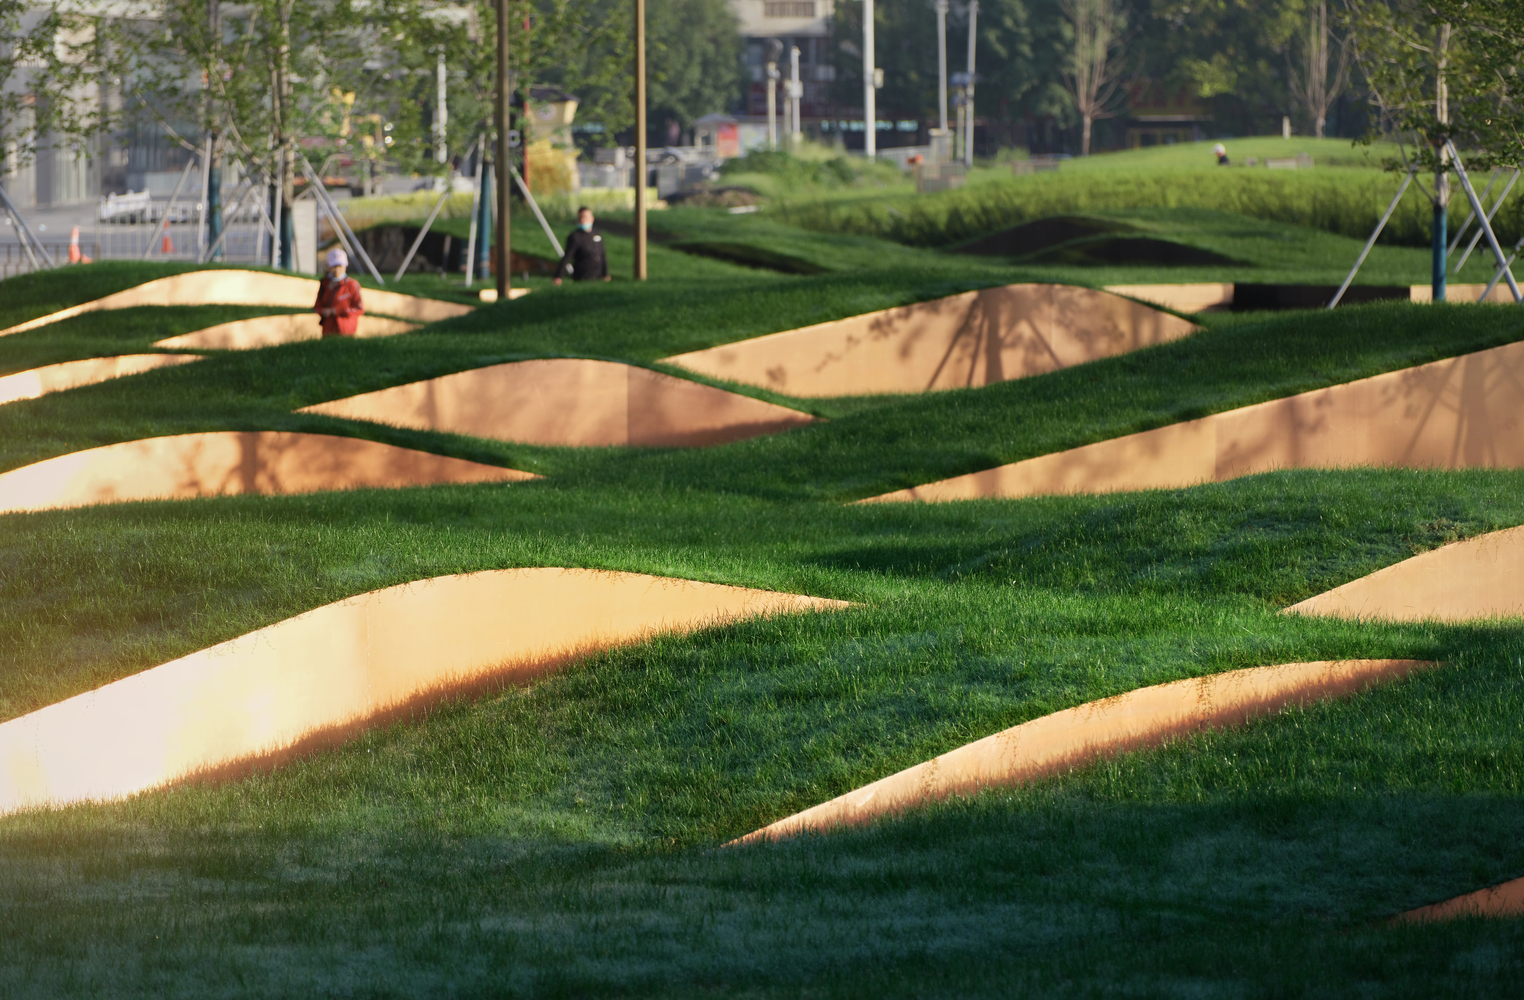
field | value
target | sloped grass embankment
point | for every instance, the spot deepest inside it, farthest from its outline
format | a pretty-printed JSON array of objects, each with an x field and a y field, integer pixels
[{"x": 563, "y": 838}]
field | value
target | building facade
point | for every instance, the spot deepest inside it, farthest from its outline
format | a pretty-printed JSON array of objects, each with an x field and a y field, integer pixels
[{"x": 802, "y": 23}]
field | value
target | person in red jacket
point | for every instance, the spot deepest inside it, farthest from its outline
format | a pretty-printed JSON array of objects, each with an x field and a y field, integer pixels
[{"x": 338, "y": 300}]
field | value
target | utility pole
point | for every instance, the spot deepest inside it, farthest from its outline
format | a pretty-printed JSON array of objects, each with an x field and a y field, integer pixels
[
  {"x": 870, "y": 86},
  {"x": 968, "y": 98},
  {"x": 640, "y": 140},
  {"x": 441, "y": 112},
  {"x": 504, "y": 163}
]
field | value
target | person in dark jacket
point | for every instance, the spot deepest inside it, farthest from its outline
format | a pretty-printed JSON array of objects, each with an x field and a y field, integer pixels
[{"x": 585, "y": 257}]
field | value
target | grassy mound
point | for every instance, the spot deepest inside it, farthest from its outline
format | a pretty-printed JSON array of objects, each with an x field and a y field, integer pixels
[
  {"x": 38, "y": 293},
  {"x": 1344, "y": 202},
  {"x": 747, "y": 255},
  {"x": 592, "y": 802},
  {"x": 1042, "y": 234},
  {"x": 564, "y": 838}
]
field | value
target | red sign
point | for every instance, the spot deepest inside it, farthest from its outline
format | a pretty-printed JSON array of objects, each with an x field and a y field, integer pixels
[{"x": 728, "y": 141}]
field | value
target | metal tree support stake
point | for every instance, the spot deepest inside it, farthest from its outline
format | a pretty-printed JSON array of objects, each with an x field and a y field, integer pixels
[
  {"x": 338, "y": 217},
  {"x": 428, "y": 223},
  {"x": 1490, "y": 213},
  {"x": 29, "y": 239},
  {"x": 164, "y": 219},
  {"x": 1476, "y": 206},
  {"x": 1460, "y": 233},
  {"x": 476, "y": 205},
  {"x": 524, "y": 190},
  {"x": 1406, "y": 180},
  {"x": 1500, "y": 271},
  {"x": 238, "y": 207}
]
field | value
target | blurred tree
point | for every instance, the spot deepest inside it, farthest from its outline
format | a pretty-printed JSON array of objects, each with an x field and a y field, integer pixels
[
  {"x": 1317, "y": 66},
  {"x": 52, "y": 64},
  {"x": 1095, "y": 70},
  {"x": 694, "y": 58},
  {"x": 1232, "y": 52}
]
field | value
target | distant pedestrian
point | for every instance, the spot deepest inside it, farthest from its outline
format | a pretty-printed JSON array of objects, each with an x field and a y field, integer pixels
[
  {"x": 338, "y": 299},
  {"x": 585, "y": 256},
  {"x": 1221, "y": 152}
]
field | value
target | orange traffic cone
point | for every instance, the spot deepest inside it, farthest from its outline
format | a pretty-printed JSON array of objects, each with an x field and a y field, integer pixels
[
  {"x": 74, "y": 246},
  {"x": 168, "y": 247}
]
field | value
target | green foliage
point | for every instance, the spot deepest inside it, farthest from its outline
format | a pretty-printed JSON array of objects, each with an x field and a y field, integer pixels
[
  {"x": 790, "y": 169},
  {"x": 1445, "y": 69},
  {"x": 1223, "y": 49},
  {"x": 694, "y": 60},
  {"x": 53, "y": 51}
]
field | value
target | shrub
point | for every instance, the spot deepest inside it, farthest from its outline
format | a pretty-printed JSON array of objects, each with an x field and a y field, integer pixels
[
  {"x": 780, "y": 163},
  {"x": 1343, "y": 201}
]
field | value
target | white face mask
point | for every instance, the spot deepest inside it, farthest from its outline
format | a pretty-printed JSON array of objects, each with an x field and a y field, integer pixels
[{"x": 586, "y": 227}]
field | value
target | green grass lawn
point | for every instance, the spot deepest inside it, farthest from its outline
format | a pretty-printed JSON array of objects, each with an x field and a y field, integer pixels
[
  {"x": 564, "y": 838},
  {"x": 869, "y": 446},
  {"x": 1343, "y": 201}
]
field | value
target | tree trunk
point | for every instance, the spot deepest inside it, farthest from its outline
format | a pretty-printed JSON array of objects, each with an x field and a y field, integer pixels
[
  {"x": 1085, "y": 134},
  {"x": 1441, "y": 169},
  {"x": 287, "y": 227}
]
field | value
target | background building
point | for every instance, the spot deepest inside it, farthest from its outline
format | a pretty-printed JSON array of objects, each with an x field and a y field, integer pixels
[{"x": 802, "y": 23}]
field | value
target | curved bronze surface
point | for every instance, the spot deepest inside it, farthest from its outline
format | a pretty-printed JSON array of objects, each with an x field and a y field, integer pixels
[
  {"x": 339, "y": 666},
  {"x": 973, "y": 339},
  {"x": 1075, "y": 736},
  {"x": 269, "y": 331},
  {"x": 227, "y": 462},
  {"x": 88, "y": 371},
  {"x": 1505, "y": 900},
  {"x": 1186, "y": 298},
  {"x": 571, "y": 402},
  {"x": 229, "y": 287},
  {"x": 1461, "y": 413},
  {"x": 1481, "y": 577}
]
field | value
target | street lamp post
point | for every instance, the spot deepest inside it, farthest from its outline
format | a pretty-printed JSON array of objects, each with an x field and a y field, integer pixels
[
  {"x": 640, "y": 140},
  {"x": 795, "y": 94},
  {"x": 441, "y": 110},
  {"x": 870, "y": 86},
  {"x": 774, "y": 50},
  {"x": 942, "y": 65},
  {"x": 968, "y": 98}
]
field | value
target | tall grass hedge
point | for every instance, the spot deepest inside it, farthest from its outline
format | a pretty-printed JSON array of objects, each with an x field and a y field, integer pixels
[{"x": 1344, "y": 201}]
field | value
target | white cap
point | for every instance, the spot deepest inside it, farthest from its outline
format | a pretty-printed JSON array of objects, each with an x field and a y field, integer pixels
[
  {"x": 1218, "y": 149},
  {"x": 338, "y": 258}
]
